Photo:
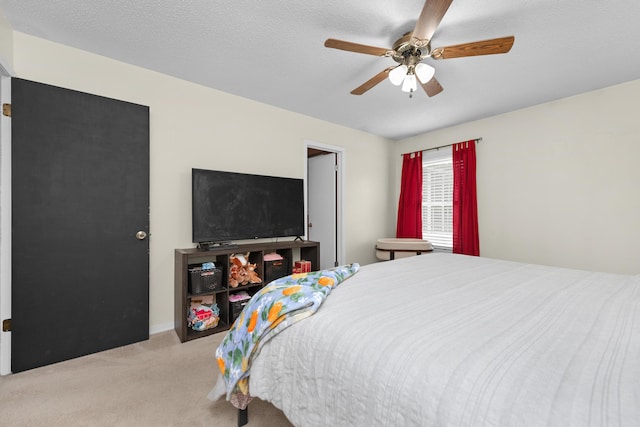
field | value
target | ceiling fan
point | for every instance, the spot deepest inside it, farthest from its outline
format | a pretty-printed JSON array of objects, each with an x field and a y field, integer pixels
[{"x": 413, "y": 47}]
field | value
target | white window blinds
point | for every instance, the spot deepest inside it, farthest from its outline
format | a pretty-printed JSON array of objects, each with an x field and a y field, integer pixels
[{"x": 437, "y": 197}]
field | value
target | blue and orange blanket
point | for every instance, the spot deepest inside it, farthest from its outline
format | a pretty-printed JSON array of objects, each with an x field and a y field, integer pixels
[{"x": 275, "y": 307}]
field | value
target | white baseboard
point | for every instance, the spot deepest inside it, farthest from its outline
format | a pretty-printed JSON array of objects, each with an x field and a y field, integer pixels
[{"x": 156, "y": 329}]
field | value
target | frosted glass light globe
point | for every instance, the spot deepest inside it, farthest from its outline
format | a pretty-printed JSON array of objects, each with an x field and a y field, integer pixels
[
  {"x": 396, "y": 76},
  {"x": 424, "y": 72},
  {"x": 409, "y": 84}
]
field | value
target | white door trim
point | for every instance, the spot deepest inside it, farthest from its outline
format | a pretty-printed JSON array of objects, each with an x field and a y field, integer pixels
[
  {"x": 340, "y": 161},
  {"x": 5, "y": 217}
]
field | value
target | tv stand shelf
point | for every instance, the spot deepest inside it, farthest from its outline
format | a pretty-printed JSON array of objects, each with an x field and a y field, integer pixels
[{"x": 291, "y": 250}]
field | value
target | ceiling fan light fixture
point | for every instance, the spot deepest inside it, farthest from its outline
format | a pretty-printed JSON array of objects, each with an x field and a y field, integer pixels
[
  {"x": 397, "y": 75},
  {"x": 424, "y": 72},
  {"x": 409, "y": 84}
]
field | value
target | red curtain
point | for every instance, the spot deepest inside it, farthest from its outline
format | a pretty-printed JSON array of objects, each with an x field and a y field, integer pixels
[
  {"x": 410, "y": 203},
  {"x": 465, "y": 211}
]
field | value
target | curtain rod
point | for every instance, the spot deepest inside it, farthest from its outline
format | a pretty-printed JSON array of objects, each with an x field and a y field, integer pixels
[{"x": 447, "y": 145}]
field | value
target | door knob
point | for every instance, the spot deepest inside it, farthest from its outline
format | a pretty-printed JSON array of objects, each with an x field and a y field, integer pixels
[{"x": 141, "y": 235}]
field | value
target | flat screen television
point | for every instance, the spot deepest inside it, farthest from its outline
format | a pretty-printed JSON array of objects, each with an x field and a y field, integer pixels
[{"x": 228, "y": 206}]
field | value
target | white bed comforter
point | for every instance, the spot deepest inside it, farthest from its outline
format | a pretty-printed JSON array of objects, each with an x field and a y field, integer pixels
[{"x": 451, "y": 340}]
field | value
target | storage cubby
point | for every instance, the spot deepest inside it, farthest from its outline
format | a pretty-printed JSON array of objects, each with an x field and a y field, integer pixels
[{"x": 187, "y": 258}]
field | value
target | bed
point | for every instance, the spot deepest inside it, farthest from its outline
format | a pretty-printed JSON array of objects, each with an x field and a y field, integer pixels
[{"x": 452, "y": 340}]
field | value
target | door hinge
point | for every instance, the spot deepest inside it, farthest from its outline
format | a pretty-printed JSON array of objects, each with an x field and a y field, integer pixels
[
  {"x": 6, "y": 325},
  {"x": 6, "y": 110}
]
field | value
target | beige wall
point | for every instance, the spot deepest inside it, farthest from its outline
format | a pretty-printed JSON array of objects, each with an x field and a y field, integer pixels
[
  {"x": 6, "y": 41},
  {"x": 193, "y": 126},
  {"x": 558, "y": 183}
]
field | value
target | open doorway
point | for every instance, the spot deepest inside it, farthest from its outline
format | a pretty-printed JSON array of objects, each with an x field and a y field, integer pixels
[{"x": 324, "y": 173}]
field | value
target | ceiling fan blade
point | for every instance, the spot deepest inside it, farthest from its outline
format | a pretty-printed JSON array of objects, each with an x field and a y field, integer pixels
[
  {"x": 355, "y": 47},
  {"x": 372, "y": 82},
  {"x": 485, "y": 47},
  {"x": 432, "y": 13},
  {"x": 432, "y": 87}
]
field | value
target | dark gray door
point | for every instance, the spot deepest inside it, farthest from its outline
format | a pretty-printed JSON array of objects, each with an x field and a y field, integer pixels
[{"x": 80, "y": 193}]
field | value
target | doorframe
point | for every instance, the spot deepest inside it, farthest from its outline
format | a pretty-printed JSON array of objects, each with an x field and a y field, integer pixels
[
  {"x": 5, "y": 216},
  {"x": 340, "y": 163}
]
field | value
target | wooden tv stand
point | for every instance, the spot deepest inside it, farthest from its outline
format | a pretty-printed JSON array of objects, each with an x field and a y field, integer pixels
[{"x": 292, "y": 250}]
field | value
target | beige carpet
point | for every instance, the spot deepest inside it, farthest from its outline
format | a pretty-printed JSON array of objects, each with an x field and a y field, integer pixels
[{"x": 159, "y": 382}]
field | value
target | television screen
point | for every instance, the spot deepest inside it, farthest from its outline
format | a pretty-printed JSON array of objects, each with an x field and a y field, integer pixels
[{"x": 230, "y": 206}]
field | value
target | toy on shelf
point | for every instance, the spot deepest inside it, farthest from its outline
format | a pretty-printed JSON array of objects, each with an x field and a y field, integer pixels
[{"x": 241, "y": 271}]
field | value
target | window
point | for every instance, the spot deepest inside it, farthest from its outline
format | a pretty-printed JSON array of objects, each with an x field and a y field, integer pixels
[{"x": 437, "y": 197}]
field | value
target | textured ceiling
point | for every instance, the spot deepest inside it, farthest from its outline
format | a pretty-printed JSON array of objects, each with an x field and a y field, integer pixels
[{"x": 273, "y": 52}]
